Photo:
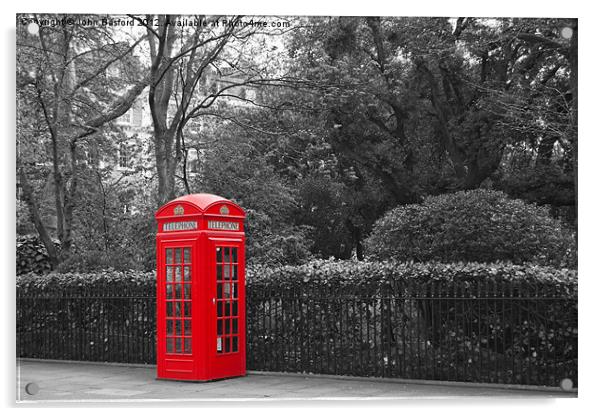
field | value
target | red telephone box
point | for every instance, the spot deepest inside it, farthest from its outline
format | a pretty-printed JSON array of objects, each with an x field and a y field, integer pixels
[{"x": 200, "y": 289}]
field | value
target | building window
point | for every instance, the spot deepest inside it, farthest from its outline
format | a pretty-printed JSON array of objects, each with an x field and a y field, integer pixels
[
  {"x": 193, "y": 160},
  {"x": 124, "y": 156},
  {"x": 91, "y": 158},
  {"x": 136, "y": 117}
]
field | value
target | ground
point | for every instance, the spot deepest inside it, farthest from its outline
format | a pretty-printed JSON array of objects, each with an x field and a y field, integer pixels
[{"x": 69, "y": 381}]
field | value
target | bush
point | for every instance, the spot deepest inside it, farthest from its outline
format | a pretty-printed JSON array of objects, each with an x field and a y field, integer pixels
[
  {"x": 32, "y": 255},
  {"x": 479, "y": 225},
  {"x": 499, "y": 323},
  {"x": 266, "y": 244},
  {"x": 96, "y": 283},
  {"x": 103, "y": 316}
]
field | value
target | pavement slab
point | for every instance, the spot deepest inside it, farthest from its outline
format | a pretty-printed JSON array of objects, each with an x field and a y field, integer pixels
[{"x": 93, "y": 382}]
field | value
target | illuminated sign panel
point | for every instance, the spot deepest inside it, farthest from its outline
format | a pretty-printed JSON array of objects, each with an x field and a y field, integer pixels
[
  {"x": 222, "y": 225},
  {"x": 180, "y": 226}
]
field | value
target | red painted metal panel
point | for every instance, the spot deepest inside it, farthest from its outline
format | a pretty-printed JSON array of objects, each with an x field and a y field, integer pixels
[{"x": 190, "y": 230}]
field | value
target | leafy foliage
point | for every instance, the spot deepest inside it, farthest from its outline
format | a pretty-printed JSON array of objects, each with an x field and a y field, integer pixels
[
  {"x": 109, "y": 234},
  {"x": 102, "y": 281},
  {"x": 31, "y": 256},
  {"x": 340, "y": 120},
  {"x": 477, "y": 225},
  {"x": 103, "y": 316},
  {"x": 475, "y": 322},
  {"x": 246, "y": 177},
  {"x": 465, "y": 321}
]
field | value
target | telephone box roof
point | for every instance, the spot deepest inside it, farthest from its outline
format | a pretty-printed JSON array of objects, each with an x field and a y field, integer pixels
[{"x": 203, "y": 202}]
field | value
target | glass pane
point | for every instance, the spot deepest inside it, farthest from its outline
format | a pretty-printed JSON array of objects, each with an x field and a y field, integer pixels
[
  {"x": 235, "y": 290},
  {"x": 227, "y": 322},
  {"x": 227, "y": 290},
  {"x": 235, "y": 308},
  {"x": 226, "y": 272},
  {"x": 219, "y": 272},
  {"x": 178, "y": 276},
  {"x": 187, "y": 345},
  {"x": 226, "y": 254},
  {"x": 178, "y": 327},
  {"x": 169, "y": 327},
  {"x": 219, "y": 254},
  {"x": 169, "y": 274},
  {"x": 178, "y": 255},
  {"x": 187, "y": 255},
  {"x": 178, "y": 291},
  {"x": 187, "y": 273},
  {"x": 220, "y": 327},
  {"x": 220, "y": 290},
  {"x": 235, "y": 326},
  {"x": 187, "y": 294},
  {"x": 187, "y": 327},
  {"x": 169, "y": 309},
  {"x": 168, "y": 255},
  {"x": 177, "y": 311},
  {"x": 234, "y": 272},
  {"x": 169, "y": 345},
  {"x": 169, "y": 291},
  {"x": 178, "y": 345},
  {"x": 188, "y": 309},
  {"x": 220, "y": 308},
  {"x": 234, "y": 344},
  {"x": 234, "y": 255},
  {"x": 227, "y": 309},
  {"x": 219, "y": 344},
  {"x": 227, "y": 345}
]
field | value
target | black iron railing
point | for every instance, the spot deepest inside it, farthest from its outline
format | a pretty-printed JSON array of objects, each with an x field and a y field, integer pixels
[
  {"x": 109, "y": 327},
  {"x": 509, "y": 333}
]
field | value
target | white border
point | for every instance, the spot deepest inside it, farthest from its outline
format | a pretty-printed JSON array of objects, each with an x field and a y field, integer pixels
[{"x": 590, "y": 151}]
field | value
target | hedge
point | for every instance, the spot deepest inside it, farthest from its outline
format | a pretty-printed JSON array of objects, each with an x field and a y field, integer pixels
[
  {"x": 466, "y": 321},
  {"x": 105, "y": 316},
  {"x": 477, "y": 225}
]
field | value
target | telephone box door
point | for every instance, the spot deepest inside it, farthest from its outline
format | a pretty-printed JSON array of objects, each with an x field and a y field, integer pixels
[
  {"x": 174, "y": 315},
  {"x": 228, "y": 308}
]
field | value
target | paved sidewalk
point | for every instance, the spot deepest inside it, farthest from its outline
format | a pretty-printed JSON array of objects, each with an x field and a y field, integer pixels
[{"x": 68, "y": 381}]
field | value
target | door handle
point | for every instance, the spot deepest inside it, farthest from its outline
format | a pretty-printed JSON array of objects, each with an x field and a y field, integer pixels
[{"x": 214, "y": 301}]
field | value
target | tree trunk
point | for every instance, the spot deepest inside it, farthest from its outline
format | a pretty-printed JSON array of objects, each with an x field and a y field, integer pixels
[
  {"x": 166, "y": 165},
  {"x": 573, "y": 59},
  {"x": 34, "y": 213}
]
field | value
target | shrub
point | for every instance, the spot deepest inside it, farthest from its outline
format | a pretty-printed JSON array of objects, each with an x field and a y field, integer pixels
[
  {"x": 498, "y": 323},
  {"x": 103, "y": 316},
  {"x": 271, "y": 245},
  {"x": 32, "y": 255},
  {"x": 479, "y": 225},
  {"x": 99, "y": 282},
  {"x": 495, "y": 322}
]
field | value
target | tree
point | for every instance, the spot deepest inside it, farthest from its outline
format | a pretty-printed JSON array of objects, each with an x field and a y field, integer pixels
[
  {"x": 434, "y": 104},
  {"x": 62, "y": 74},
  {"x": 181, "y": 61},
  {"x": 237, "y": 167}
]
